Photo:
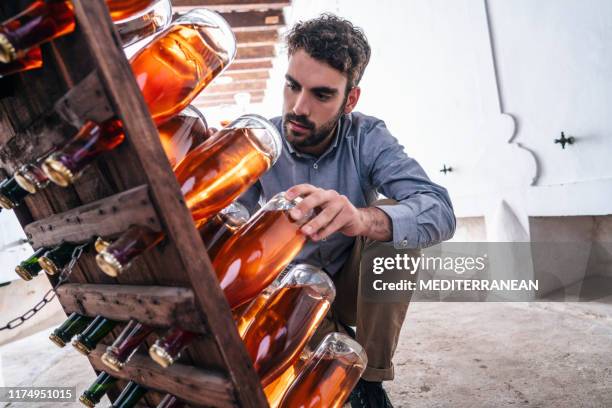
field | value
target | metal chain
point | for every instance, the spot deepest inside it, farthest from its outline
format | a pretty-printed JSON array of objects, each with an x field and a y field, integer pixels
[{"x": 50, "y": 295}]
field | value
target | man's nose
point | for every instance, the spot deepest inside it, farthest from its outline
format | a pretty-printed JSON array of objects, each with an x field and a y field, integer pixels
[{"x": 301, "y": 105}]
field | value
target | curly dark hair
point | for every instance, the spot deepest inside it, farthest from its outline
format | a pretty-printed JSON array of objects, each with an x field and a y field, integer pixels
[{"x": 333, "y": 40}]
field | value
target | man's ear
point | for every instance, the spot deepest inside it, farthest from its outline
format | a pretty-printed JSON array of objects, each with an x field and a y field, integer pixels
[{"x": 351, "y": 100}]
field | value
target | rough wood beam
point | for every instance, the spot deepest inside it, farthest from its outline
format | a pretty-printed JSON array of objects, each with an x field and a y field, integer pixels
[
  {"x": 157, "y": 306},
  {"x": 228, "y": 95},
  {"x": 230, "y": 101},
  {"x": 259, "y": 37},
  {"x": 247, "y": 76},
  {"x": 255, "y": 20},
  {"x": 261, "y": 51},
  {"x": 232, "y": 5},
  {"x": 237, "y": 87},
  {"x": 195, "y": 385},
  {"x": 106, "y": 217},
  {"x": 247, "y": 66}
]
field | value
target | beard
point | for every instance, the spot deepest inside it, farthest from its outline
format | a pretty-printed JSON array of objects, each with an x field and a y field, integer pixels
[{"x": 313, "y": 136}]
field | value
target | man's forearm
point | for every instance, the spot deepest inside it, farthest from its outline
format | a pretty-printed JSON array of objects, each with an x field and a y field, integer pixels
[{"x": 376, "y": 224}]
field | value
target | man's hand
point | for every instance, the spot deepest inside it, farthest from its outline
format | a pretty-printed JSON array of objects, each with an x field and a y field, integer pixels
[{"x": 337, "y": 214}]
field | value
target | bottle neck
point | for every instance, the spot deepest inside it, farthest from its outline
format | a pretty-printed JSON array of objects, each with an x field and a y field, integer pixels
[
  {"x": 11, "y": 194},
  {"x": 97, "y": 390},
  {"x": 130, "y": 395},
  {"x": 126, "y": 344},
  {"x": 93, "y": 334},
  {"x": 74, "y": 325}
]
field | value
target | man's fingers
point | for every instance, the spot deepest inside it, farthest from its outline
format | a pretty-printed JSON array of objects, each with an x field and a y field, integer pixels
[
  {"x": 318, "y": 198},
  {"x": 321, "y": 221},
  {"x": 334, "y": 226},
  {"x": 299, "y": 190}
]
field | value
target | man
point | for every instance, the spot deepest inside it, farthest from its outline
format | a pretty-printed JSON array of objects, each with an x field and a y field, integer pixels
[{"x": 338, "y": 161}]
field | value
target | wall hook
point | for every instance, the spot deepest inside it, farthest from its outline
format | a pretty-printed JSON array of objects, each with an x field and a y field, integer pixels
[
  {"x": 446, "y": 169},
  {"x": 563, "y": 141}
]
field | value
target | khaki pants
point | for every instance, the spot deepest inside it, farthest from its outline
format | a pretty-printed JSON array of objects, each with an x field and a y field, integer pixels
[{"x": 378, "y": 324}]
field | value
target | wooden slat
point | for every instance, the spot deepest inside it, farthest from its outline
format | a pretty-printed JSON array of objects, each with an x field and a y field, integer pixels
[
  {"x": 157, "y": 306},
  {"x": 229, "y": 95},
  {"x": 254, "y": 52},
  {"x": 231, "y": 5},
  {"x": 234, "y": 87},
  {"x": 106, "y": 217},
  {"x": 121, "y": 86},
  {"x": 247, "y": 76},
  {"x": 247, "y": 66},
  {"x": 255, "y": 20},
  {"x": 194, "y": 385},
  {"x": 85, "y": 101},
  {"x": 259, "y": 37},
  {"x": 221, "y": 102}
]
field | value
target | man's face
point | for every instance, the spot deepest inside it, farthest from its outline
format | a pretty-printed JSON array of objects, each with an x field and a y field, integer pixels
[{"x": 314, "y": 99}]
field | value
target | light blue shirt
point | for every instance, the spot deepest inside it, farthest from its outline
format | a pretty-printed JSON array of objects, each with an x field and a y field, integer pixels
[{"x": 363, "y": 161}]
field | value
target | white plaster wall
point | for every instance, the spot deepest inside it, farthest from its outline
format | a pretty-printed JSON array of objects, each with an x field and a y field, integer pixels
[{"x": 433, "y": 78}]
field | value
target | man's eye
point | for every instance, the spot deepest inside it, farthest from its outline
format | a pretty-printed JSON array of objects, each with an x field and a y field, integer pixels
[
  {"x": 291, "y": 85},
  {"x": 322, "y": 97}
]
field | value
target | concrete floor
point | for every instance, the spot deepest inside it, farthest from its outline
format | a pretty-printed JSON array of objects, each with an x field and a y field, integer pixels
[{"x": 450, "y": 355}]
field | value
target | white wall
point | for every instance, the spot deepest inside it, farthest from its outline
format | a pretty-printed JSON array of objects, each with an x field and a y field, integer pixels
[{"x": 434, "y": 76}]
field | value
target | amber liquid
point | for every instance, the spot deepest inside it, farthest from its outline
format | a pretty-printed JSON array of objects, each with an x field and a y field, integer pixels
[
  {"x": 252, "y": 258},
  {"x": 275, "y": 339},
  {"x": 219, "y": 170},
  {"x": 277, "y": 388},
  {"x": 173, "y": 69},
  {"x": 40, "y": 22},
  {"x": 325, "y": 384},
  {"x": 180, "y": 135},
  {"x": 44, "y": 21},
  {"x": 31, "y": 60},
  {"x": 247, "y": 315},
  {"x": 121, "y": 9}
]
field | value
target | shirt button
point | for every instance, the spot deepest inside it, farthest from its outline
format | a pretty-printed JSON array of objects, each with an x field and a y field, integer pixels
[
  {"x": 324, "y": 239},
  {"x": 405, "y": 243},
  {"x": 315, "y": 166}
]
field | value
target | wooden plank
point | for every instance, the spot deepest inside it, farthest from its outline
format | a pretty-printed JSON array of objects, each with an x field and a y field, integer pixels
[
  {"x": 247, "y": 66},
  {"x": 247, "y": 76},
  {"x": 255, "y": 52},
  {"x": 259, "y": 37},
  {"x": 107, "y": 217},
  {"x": 85, "y": 101},
  {"x": 195, "y": 385},
  {"x": 228, "y": 95},
  {"x": 121, "y": 86},
  {"x": 217, "y": 103},
  {"x": 234, "y": 87},
  {"x": 255, "y": 20},
  {"x": 230, "y": 5},
  {"x": 157, "y": 306}
]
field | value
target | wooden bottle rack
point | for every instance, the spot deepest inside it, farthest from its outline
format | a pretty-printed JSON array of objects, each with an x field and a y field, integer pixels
[{"x": 87, "y": 76}]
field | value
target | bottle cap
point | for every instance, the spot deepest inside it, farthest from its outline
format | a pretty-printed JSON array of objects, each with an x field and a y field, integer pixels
[
  {"x": 112, "y": 361},
  {"x": 27, "y": 182},
  {"x": 48, "y": 265},
  {"x": 57, "y": 340},
  {"x": 109, "y": 264},
  {"x": 6, "y": 203},
  {"x": 86, "y": 401},
  {"x": 23, "y": 273},
  {"x": 100, "y": 245},
  {"x": 82, "y": 348},
  {"x": 57, "y": 171},
  {"x": 160, "y": 356},
  {"x": 7, "y": 51}
]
